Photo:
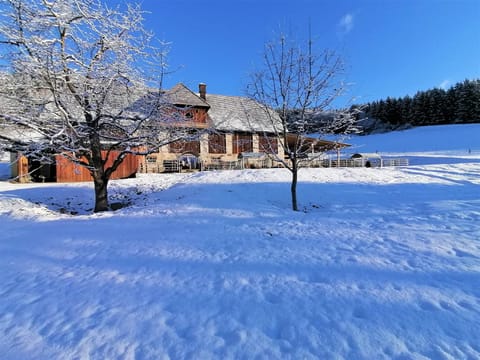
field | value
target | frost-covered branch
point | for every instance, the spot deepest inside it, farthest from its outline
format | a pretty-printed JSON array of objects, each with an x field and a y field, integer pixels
[
  {"x": 301, "y": 84},
  {"x": 86, "y": 81}
]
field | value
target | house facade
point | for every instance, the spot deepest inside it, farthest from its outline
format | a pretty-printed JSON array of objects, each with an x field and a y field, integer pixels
[
  {"x": 228, "y": 132},
  {"x": 238, "y": 133}
]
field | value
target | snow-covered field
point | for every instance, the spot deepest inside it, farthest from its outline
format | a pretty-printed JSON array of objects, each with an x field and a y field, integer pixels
[
  {"x": 381, "y": 264},
  {"x": 425, "y": 145}
]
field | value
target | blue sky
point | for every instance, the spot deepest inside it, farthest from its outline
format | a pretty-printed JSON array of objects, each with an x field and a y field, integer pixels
[{"x": 391, "y": 47}]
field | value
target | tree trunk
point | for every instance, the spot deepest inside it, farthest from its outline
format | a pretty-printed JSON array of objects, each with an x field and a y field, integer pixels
[
  {"x": 101, "y": 194},
  {"x": 293, "y": 187},
  {"x": 100, "y": 178}
]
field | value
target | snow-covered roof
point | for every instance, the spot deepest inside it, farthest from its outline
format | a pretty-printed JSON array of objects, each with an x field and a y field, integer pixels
[
  {"x": 318, "y": 144},
  {"x": 18, "y": 133},
  {"x": 181, "y": 95},
  {"x": 227, "y": 113},
  {"x": 236, "y": 113}
]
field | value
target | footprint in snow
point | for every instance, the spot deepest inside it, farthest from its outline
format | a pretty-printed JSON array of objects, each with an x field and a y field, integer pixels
[
  {"x": 461, "y": 253},
  {"x": 446, "y": 306},
  {"x": 360, "y": 313},
  {"x": 233, "y": 338},
  {"x": 428, "y": 306},
  {"x": 466, "y": 305},
  {"x": 272, "y": 298}
]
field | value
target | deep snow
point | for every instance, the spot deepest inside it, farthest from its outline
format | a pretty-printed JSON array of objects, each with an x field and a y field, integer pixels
[
  {"x": 441, "y": 144},
  {"x": 381, "y": 264}
]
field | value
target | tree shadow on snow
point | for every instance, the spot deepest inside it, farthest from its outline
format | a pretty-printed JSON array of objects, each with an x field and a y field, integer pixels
[{"x": 237, "y": 200}]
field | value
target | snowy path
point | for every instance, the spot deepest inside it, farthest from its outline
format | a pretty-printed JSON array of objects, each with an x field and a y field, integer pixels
[{"x": 382, "y": 264}]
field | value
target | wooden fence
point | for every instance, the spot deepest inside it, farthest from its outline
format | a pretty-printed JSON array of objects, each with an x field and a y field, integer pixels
[
  {"x": 364, "y": 162},
  {"x": 216, "y": 164}
]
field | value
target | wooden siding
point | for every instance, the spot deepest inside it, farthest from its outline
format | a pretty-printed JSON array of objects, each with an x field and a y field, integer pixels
[
  {"x": 188, "y": 116},
  {"x": 199, "y": 115},
  {"x": 19, "y": 167},
  {"x": 67, "y": 171}
]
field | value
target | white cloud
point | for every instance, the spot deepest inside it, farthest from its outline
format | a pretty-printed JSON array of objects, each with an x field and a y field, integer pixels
[
  {"x": 346, "y": 23},
  {"x": 445, "y": 84}
]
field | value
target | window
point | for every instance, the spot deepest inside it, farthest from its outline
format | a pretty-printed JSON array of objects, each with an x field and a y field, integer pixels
[
  {"x": 268, "y": 144},
  {"x": 184, "y": 146},
  {"x": 242, "y": 142},
  {"x": 217, "y": 144}
]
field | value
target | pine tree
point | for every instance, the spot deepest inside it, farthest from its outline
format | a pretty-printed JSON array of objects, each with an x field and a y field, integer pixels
[
  {"x": 435, "y": 110},
  {"x": 459, "y": 104},
  {"x": 468, "y": 99},
  {"x": 406, "y": 110}
]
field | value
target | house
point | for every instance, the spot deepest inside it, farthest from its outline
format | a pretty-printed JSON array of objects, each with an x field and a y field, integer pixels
[
  {"x": 239, "y": 133},
  {"x": 233, "y": 126},
  {"x": 228, "y": 132}
]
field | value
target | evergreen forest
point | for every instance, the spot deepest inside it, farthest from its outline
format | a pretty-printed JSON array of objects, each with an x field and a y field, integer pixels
[{"x": 457, "y": 105}]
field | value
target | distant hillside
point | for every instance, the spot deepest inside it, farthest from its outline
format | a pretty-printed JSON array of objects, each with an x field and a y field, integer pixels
[
  {"x": 463, "y": 140},
  {"x": 458, "y": 105}
]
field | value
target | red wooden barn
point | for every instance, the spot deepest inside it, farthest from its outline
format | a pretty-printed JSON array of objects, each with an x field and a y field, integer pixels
[{"x": 63, "y": 170}]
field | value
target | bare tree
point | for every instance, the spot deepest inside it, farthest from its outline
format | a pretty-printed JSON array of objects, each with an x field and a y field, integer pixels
[
  {"x": 301, "y": 86},
  {"x": 83, "y": 81}
]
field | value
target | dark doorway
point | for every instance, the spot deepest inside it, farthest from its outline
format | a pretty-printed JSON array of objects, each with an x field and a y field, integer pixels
[{"x": 42, "y": 172}]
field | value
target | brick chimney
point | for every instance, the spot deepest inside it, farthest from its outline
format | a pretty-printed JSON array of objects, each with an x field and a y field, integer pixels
[{"x": 202, "y": 89}]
